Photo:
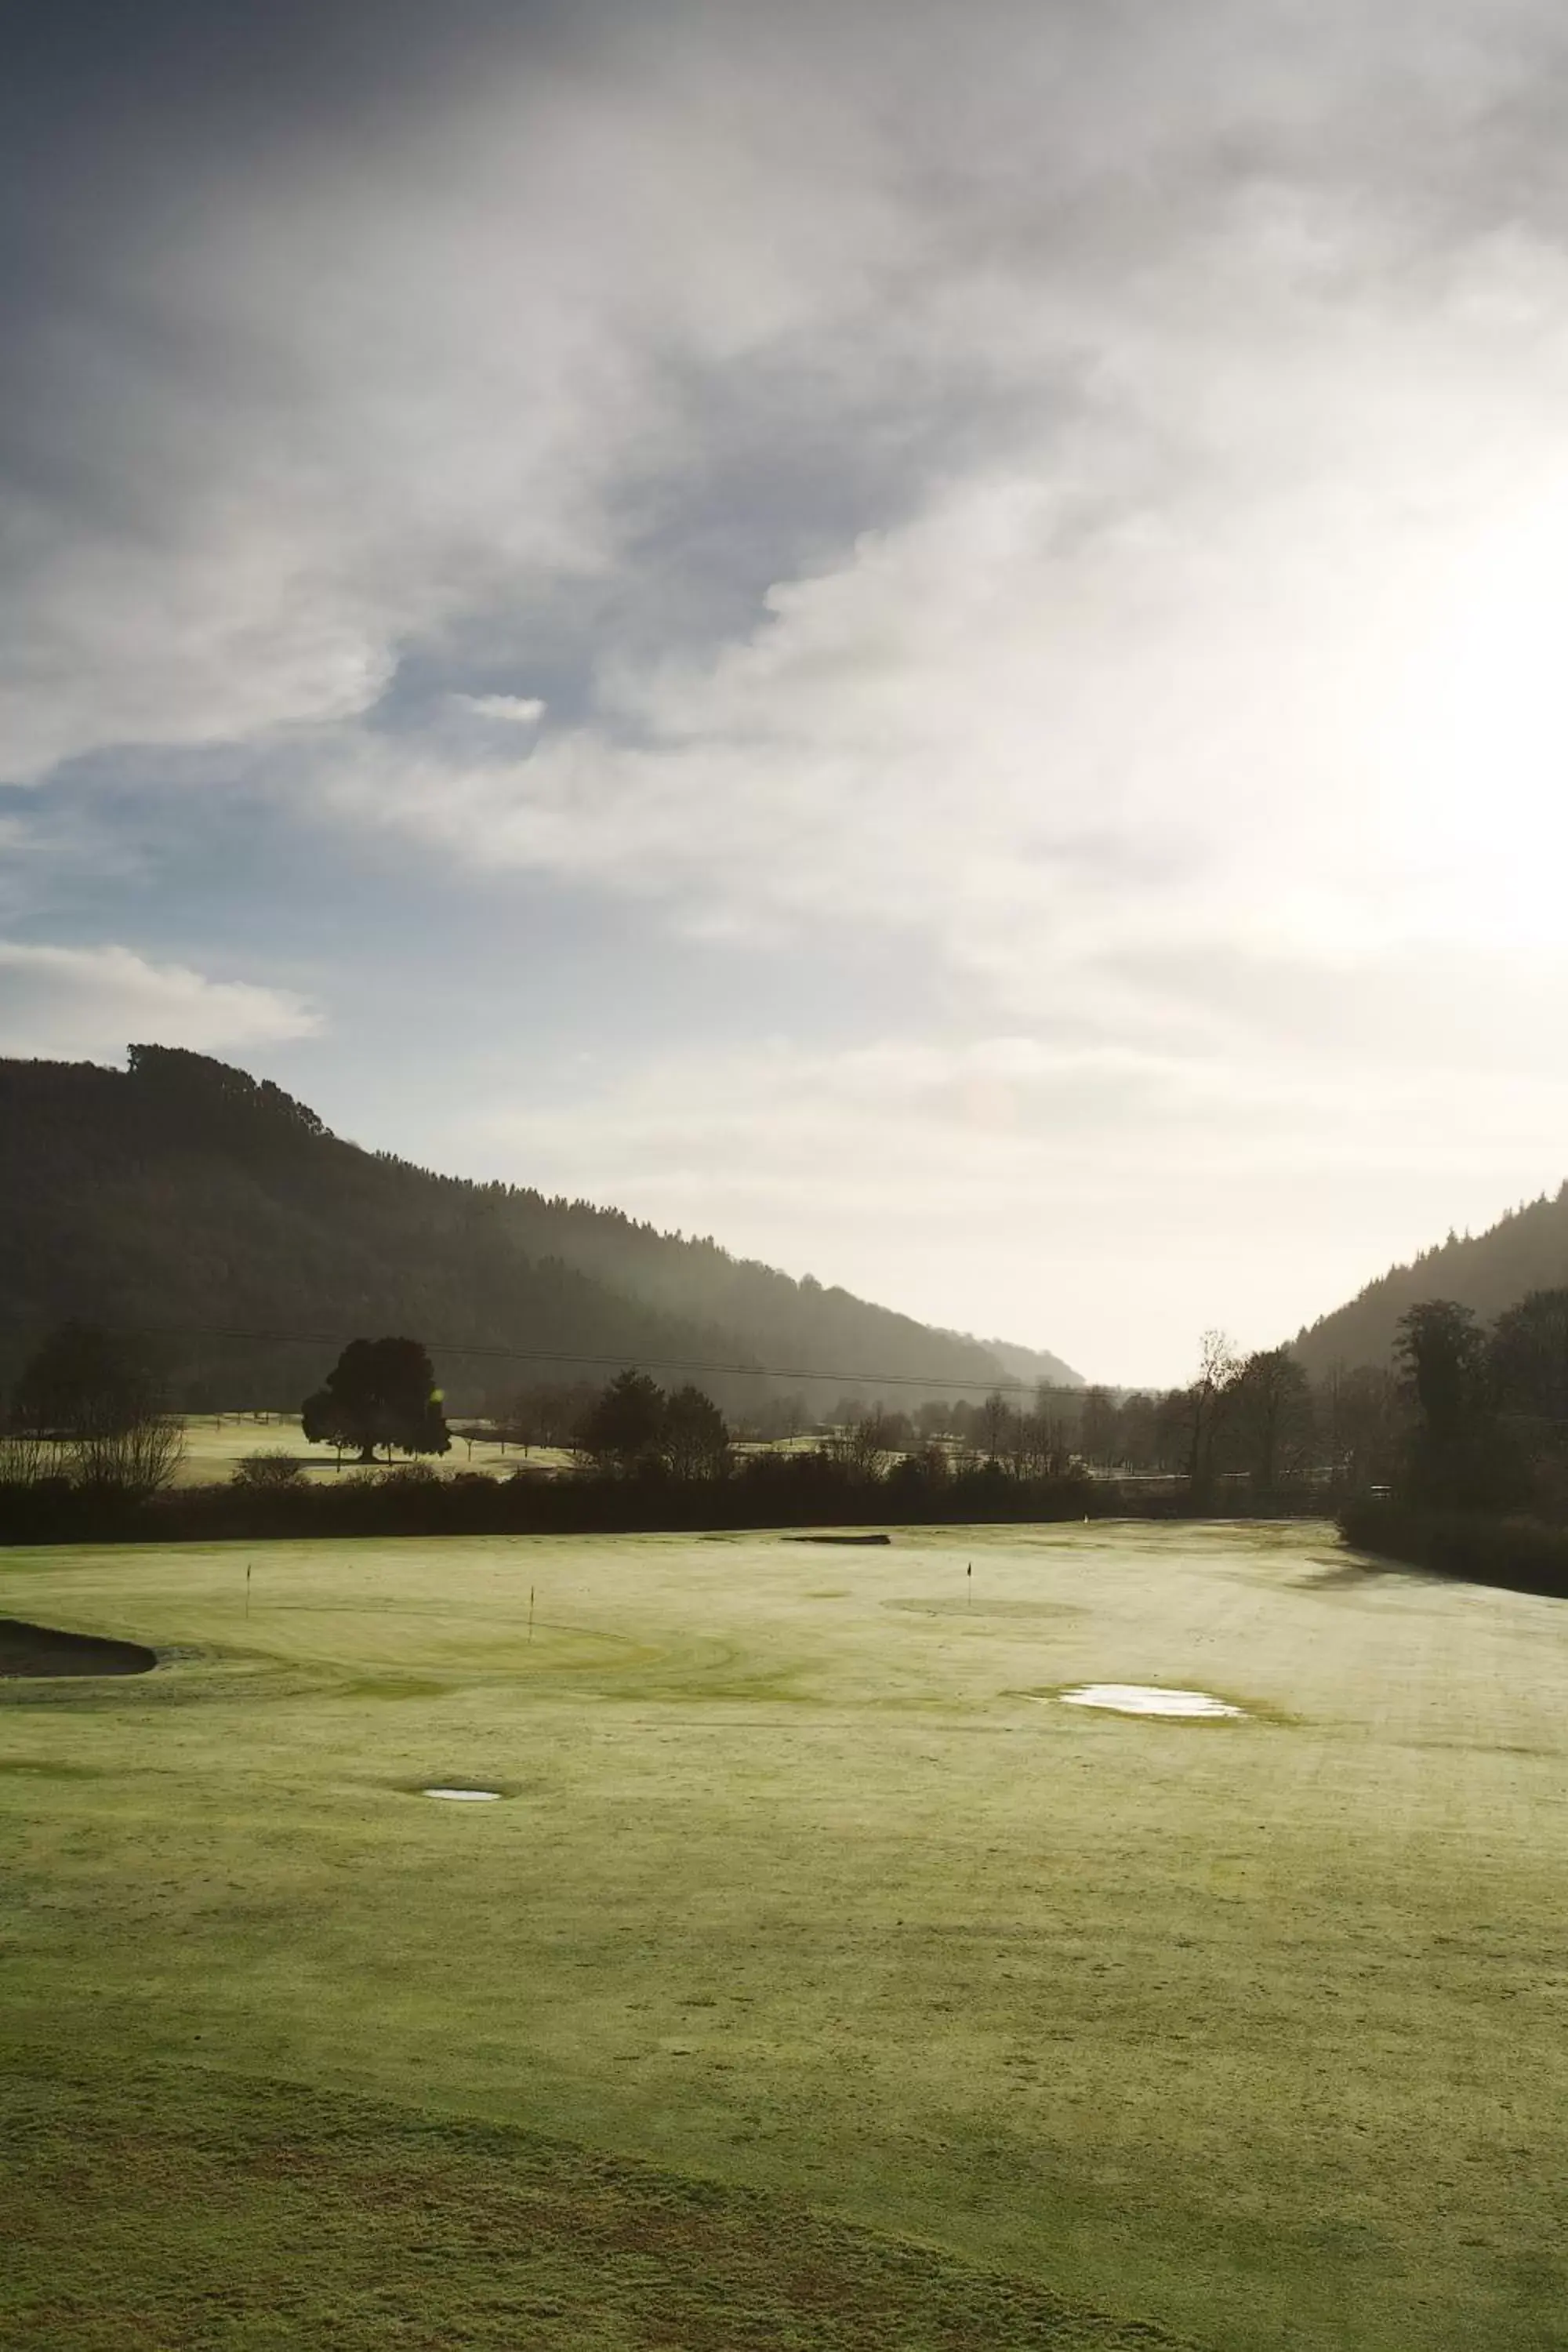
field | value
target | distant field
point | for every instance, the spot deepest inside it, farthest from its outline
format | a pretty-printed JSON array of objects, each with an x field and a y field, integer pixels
[
  {"x": 215, "y": 1442},
  {"x": 821, "y": 1980}
]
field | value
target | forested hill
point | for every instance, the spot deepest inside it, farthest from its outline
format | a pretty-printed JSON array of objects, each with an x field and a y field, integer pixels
[
  {"x": 183, "y": 1197},
  {"x": 1527, "y": 1250},
  {"x": 1033, "y": 1364}
]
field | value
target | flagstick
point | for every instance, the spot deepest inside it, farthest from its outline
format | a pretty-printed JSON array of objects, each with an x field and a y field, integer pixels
[
  {"x": 248, "y": 1588},
  {"x": 530, "y": 1612}
]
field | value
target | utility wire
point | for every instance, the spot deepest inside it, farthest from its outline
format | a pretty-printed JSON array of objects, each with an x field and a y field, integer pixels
[{"x": 933, "y": 1382}]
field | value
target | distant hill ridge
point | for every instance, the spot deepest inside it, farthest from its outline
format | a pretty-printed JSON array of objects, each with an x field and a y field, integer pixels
[
  {"x": 1526, "y": 1250},
  {"x": 184, "y": 1196}
]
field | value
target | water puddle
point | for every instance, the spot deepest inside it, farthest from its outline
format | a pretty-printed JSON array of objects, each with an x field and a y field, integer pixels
[
  {"x": 1148, "y": 1698},
  {"x": 464, "y": 1796}
]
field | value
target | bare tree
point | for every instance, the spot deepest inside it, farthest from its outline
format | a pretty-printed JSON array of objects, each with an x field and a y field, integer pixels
[
  {"x": 1363, "y": 1418},
  {"x": 1272, "y": 1415},
  {"x": 1034, "y": 1448},
  {"x": 782, "y": 1417},
  {"x": 1098, "y": 1428},
  {"x": 934, "y": 1418},
  {"x": 1208, "y": 1400},
  {"x": 139, "y": 1459},
  {"x": 91, "y": 1403},
  {"x": 996, "y": 1417},
  {"x": 864, "y": 1444},
  {"x": 27, "y": 1461}
]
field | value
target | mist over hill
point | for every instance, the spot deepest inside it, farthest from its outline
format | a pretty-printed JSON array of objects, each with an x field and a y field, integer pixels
[
  {"x": 1526, "y": 1250},
  {"x": 184, "y": 1198},
  {"x": 1033, "y": 1364}
]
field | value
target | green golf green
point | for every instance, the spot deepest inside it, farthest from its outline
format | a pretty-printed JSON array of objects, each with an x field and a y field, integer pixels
[{"x": 821, "y": 1978}]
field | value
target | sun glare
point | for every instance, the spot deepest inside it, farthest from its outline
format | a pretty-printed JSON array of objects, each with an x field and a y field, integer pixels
[{"x": 1482, "y": 737}]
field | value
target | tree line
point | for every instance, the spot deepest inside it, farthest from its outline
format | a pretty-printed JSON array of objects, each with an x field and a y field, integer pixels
[
  {"x": 89, "y": 1411},
  {"x": 1489, "y": 1430},
  {"x": 1480, "y": 1485},
  {"x": 1465, "y": 1417}
]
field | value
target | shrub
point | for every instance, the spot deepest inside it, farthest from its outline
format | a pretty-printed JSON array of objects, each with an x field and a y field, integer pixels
[
  {"x": 1525, "y": 1555},
  {"x": 268, "y": 1471},
  {"x": 31, "y": 1461}
]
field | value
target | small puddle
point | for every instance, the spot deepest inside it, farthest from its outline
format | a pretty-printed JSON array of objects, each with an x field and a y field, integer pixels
[
  {"x": 1148, "y": 1698},
  {"x": 464, "y": 1796}
]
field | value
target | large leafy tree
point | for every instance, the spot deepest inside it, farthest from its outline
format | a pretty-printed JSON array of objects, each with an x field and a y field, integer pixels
[
  {"x": 623, "y": 1427},
  {"x": 1363, "y": 1424},
  {"x": 1271, "y": 1416},
  {"x": 1529, "y": 1359},
  {"x": 634, "y": 1428},
  {"x": 89, "y": 1402},
  {"x": 380, "y": 1393},
  {"x": 1100, "y": 1428},
  {"x": 82, "y": 1382},
  {"x": 1458, "y": 1453},
  {"x": 1442, "y": 1351},
  {"x": 1528, "y": 1366},
  {"x": 695, "y": 1441}
]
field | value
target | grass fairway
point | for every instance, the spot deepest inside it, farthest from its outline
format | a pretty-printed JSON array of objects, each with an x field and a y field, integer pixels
[
  {"x": 215, "y": 1444},
  {"x": 822, "y": 1982}
]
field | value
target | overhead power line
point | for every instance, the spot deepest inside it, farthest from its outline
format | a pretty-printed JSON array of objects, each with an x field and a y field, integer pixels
[{"x": 934, "y": 1381}]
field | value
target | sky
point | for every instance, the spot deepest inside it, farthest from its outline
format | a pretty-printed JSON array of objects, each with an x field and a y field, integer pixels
[{"x": 928, "y": 640}]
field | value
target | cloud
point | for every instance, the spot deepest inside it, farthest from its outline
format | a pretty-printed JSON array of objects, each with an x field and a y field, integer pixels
[
  {"x": 1073, "y": 506},
  {"x": 1064, "y": 715},
  {"x": 88, "y": 1003},
  {"x": 1182, "y": 414},
  {"x": 1108, "y": 1202},
  {"x": 368, "y": 391},
  {"x": 515, "y": 710},
  {"x": 350, "y": 346}
]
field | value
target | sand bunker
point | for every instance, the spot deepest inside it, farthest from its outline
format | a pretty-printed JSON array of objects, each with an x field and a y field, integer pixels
[
  {"x": 840, "y": 1539},
  {"x": 464, "y": 1796},
  {"x": 959, "y": 1604},
  {"x": 43, "y": 1650},
  {"x": 1148, "y": 1698}
]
